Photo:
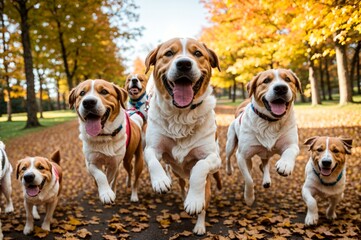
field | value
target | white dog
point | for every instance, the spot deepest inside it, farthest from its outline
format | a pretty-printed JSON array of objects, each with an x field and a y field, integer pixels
[
  {"x": 325, "y": 174},
  {"x": 265, "y": 126},
  {"x": 5, "y": 181},
  {"x": 181, "y": 122}
]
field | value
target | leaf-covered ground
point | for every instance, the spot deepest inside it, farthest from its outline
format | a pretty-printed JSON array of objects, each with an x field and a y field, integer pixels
[{"x": 278, "y": 212}]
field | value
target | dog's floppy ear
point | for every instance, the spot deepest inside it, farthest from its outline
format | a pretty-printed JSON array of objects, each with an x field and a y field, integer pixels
[
  {"x": 310, "y": 141},
  {"x": 298, "y": 82},
  {"x": 213, "y": 58},
  {"x": 252, "y": 85},
  {"x": 347, "y": 143},
  {"x": 151, "y": 59},
  {"x": 122, "y": 95},
  {"x": 18, "y": 169},
  {"x": 72, "y": 97}
]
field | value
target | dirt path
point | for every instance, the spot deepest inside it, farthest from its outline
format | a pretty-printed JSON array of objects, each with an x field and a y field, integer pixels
[{"x": 278, "y": 211}]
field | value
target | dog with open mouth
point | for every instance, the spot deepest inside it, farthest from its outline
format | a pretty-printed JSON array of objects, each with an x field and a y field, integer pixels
[
  {"x": 325, "y": 174},
  {"x": 41, "y": 181},
  {"x": 181, "y": 123},
  {"x": 109, "y": 136},
  {"x": 5, "y": 181},
  {"x": 135, "y": 85},
  {"x": 265, "y": 126}
]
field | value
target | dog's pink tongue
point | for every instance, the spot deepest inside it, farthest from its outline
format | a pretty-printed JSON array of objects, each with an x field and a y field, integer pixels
[
  {"x": 326, "y": 171},
  {"x": 183, "y": 93},
  {"x": 278, "y": 108},
  {"x": 93, "y": 127},
  {"x": 32, "y": 191}
]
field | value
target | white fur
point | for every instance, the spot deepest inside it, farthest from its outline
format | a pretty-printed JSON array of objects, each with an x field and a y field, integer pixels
[
  {"x": 256, "y": 136},
  {"x": 313, "y": 187},
  {"x": 48, "y": 196}
]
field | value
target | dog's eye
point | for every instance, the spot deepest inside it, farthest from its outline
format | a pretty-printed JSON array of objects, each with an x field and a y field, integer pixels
[
  {"x": 168, "y": 53},
  {"x": 40, "y": 167},
  {"x": 320, "y": 149},
  {"x": 335, "y": 150},
  {"x": 23, "y": 168},
  {"x": 267, "y": 80},
  {"x": 198, "y": 54},
  {"x": 104, "y": 92},
  {"x": 82, "y": 93},
  {"x": 288, "y": 79}
]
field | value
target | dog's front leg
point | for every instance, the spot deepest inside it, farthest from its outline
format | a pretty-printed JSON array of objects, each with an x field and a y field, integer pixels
[
  {"x": 6, "y": 189},
  {"x": 29, "y": 225},
  {"x": 195, "y": 200},
  {"x": 330, "y": 212},
  {"x": 106, "y": 194},
  {"x": 287, "y": 161},
  {"x": 245, "y": 165},
  {"x": 50, "y": 207},
  {"x": 160, "y": 181},
  {"x": 312, "y": 209}
]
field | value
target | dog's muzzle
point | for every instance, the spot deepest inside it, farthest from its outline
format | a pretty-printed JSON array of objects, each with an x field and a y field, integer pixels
[{"x": 32, "y": 190}]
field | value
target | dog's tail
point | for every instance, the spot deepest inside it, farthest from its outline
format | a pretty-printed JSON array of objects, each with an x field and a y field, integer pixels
[
  {"x": 231, "y": 144},
  {"x": 55, "y": 157}
]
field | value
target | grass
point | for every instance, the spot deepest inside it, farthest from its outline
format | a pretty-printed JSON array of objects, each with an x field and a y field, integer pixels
[{"x": 9, "y": 130}]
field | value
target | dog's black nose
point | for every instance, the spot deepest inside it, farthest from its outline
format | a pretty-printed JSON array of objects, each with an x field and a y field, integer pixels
[
  {"x": 29, "y": 177},
  {"x": 184, "y": 65},
  {"x": 89, "y": 103},
  {"x": 134, "y": 80},
  {"x": 326, "y": 163},
  {"x": 280, "y": 89}
]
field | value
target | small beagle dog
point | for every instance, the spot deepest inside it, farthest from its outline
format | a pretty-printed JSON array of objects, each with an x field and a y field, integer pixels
[
  {"x": 138, "y": 99},
  {"x": 325, "y": 174},
  {"x": 41, "y": 182}
]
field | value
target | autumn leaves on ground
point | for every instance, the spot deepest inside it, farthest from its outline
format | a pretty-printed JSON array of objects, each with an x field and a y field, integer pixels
[{"x": 278, "y": 212}]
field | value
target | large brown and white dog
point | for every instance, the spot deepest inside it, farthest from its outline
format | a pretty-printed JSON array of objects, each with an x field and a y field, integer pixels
[
  {"x": 5, "y": 181},
  {"x": 181, "y": 122},
  {"x": 266, "y": 126},
  {"x": 109, "y": 136},
  {"x": 41, "y": 183},
  {"x": 135, "y": 85},
  {"x": 325, "y": 174}
]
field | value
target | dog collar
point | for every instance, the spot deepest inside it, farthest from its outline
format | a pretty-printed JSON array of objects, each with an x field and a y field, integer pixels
[
  {"x": 263, "y": 116},
  {"x": 114, "y": 133},
  {"x": 133, "y": 111},
  {"x": 326, "y": 183},
  {"x": 193, "y": 106},
  {"x": 136, "y": 102}
]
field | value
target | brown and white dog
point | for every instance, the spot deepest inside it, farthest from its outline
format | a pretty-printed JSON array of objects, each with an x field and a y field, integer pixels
[
  {"x": 266, "y": 126},
  {"x": 325, "y": 174},
  {"x": 138, "y": 99},
  {"x": 41, "y": 183},
  {"x": 5, "y": 181},
  {"x": 181, "y": 122},
  {"x": 109, "y": 136}
]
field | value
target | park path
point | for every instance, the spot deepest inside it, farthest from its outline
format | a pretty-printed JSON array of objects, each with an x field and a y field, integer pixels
[{"x": 278, "y": 211}]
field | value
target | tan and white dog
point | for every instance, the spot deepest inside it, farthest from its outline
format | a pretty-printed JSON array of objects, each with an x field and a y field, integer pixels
[
  {"x": 266, "y": 126},
  {"x": 325, "y": 174},
  {"x": 135, "y": 85},
  {"x": 5, "y": 181},
  {"x": 108, "y": 134},
  {"x": 181, "y": 122},
  {"x": 41, "y": 183}
]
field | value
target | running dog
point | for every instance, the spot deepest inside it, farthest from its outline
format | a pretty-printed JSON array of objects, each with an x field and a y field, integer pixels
[
  {"x": 181, "y": 122},
  {"x": 138, "y": 98},
  {"x": 325, "y": 174},
  {"x": 265, "y": 126},
  {"x": 41, "y": 183}
]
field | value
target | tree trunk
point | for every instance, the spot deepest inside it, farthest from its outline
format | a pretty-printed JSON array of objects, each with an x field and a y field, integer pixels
[
  {"x": 315, "y": 95},
  {"x": 243, "y": 91},
  {"x": 322, "y": 81},
  {"x": 40, "y": 76},
  {"x": 354, "y": 63},
  {"x": 328, "y": 80},
  {"x": 230, "y": 92},
  {"x": 234, "y": 91},
  {"x": 358, "y": 75},
  {"x": 32, "y": 120},
  {"x": 57, "y": 94},
  {"x": 344, "y": 84}
]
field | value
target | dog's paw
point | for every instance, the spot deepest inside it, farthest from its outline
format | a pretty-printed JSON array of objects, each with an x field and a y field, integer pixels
[
  {"x": 107, "y": 196},
  {"x": 194, "y": 203},
  {"x": 330, "y": 214},
  {"x": 161, "y": 184},
  {"x": 311, "y": 219},
  {"x": 46, "y": 226},
  {"x": 284, "y": 168},
  {"x": 249, "y": 195},
  {"x": 9, "y": 208},
  {"x": 229, "y": 169},
  {"x": 28, "y": 229},
  {"x": 199, "y": 229},
  {"x": 134, "y": 197}
]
